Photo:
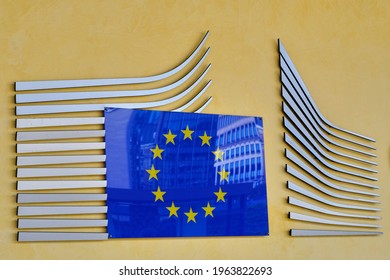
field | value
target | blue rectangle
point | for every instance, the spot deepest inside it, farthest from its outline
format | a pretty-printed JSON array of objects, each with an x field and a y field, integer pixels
[{"x": 173, "y": 174}]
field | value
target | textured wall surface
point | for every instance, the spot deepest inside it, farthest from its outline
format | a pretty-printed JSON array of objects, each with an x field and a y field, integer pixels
[{"x": 340, "y": 48}]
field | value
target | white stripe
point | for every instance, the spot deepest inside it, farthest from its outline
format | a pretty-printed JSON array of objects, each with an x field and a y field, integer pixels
[
  {"x": 51, "y": 172},
  {"x": 52, "y": 109},
  {"x": 66, "y": 96},
  {"x": 189, "y": 103},
  {"x": 34, "y": 85},
  {"x": 59, "y": 197},
  {"x": 306, "y": 205},
  {"x": 63, "y": 184},
  {"x": 46, "y": 122},
  {"x": 65, "y": 134},
  {"x": 286, "y": 81},
  {"x": 54, "y": 147},
  {"x": 60, "y": 223},
  {"x": 314, "y": 232},
  {"x": 60, "y": 210},
  {"x": 305, "y": 192},
  {"x": 24, "y": 236},
  {"x": 310, "y": 100},
  {"x": 307, "y": 218},
  {"x": 307, "y": 120},
  {"x": 314, "y": 163},
  {"x": 43, "y": 160}
]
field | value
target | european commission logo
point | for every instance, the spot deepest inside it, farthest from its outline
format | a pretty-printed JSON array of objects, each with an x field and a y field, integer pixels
[{"x": 183, "y": 174}]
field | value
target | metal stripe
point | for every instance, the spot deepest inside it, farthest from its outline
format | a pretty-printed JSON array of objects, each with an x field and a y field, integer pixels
[
  {"x": 314, "y": 232},
  {"x": 25, "y": 236},
  {"x": 317, "y": 156},
  {"x": 82, "y": 95},
  {"x": 305, "y": 192},
  {"x": 306, "y": 156},
  {"x": 63, "y": 184},
  {"x": 201, "y": 108},
  {"x": 54, "y": 147},
  {"x": 59, "y": 197},
  {"x": 52, "y": 109},
  {"x": 190, "y": 102},
  {"x": 36, "y": 85},
  {"x": 312, "y": 219},
  {"x": 306, "y": 205},
  {"x": 45, "y": 160},
  {"x": 60, "y": 223},
  {"x": 298, "y": 162},
  {"x": 295, "y": 90},
  {"x": 286, "y": 94},
  {"x": 290, "y": 64},
  {"x": 64, "y": 134},
  {"x": 52, "y": 172},
  {"x": 60, "y": 210},
  {"x": 46, "y": 122},
  {"x": 289, "y": 113},
  {"x": 316, "y": 186},
  {"x": 312, "y": 144}
]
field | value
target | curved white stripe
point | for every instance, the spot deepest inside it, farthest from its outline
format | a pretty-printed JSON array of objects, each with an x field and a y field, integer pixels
[
  {"x": 309, "y": 170},
  {"x": 289, "y": 113},
  {"x": 201, "y": 108},
  {"x": 303, "y": 191},
  {"x": 285, "y": 56},
  {"x": 291, "y": 84},
  {"x": 81, "y": 95},
  {"x": 35, "y": 85},
  {"x": 52, "y": 109},
  {"x": 306, "y": 205},
  {"x": 306, "y": 156},
  {"x": 291, "y": 102},
  {"x": 189, "y": 103},
  {"x": 303, "y": 178},
  {"x": 307, "y": 218},
  {"x": 317, "y": 156},
  {"x": 313, "y": 143}
]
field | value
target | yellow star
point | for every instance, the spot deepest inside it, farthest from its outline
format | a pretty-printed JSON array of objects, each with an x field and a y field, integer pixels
[
  {"x": 173, "y": 210},
  {"x": 208, "y": 210},
  {"x": 205, "y": 139},
  {"x": 218, "y": 154},
  {"x": 220, "y": 195},
  {"x": 159, "y": 195},
  {"x": 187, "y": 133},
  {"x": 224, "y": 175},
  {"x": 157, "y": 152},
  {"x": 191, "y": 215},
  {"x": 170, "y": 137},
  {"x": 152, "y": 173}
]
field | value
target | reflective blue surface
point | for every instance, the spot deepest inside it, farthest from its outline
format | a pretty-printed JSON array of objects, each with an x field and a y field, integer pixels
[{"x": 184, "y": 174}]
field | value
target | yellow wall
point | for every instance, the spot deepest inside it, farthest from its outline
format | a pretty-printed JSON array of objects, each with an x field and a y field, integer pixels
[{"x": 341, "y": 49}]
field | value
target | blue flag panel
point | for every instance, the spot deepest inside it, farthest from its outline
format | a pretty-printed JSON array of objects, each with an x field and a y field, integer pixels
[{"x": 173, "y": 174}]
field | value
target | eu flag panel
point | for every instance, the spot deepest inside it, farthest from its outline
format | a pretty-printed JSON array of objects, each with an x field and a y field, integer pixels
[{"x": 173, "y": 174}]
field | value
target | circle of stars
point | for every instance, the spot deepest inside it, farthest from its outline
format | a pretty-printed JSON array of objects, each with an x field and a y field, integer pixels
[{"x": 159, "y": 194}]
